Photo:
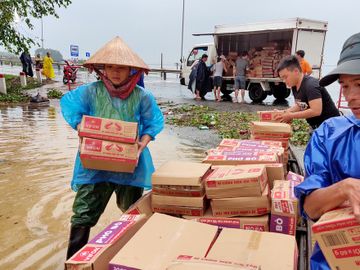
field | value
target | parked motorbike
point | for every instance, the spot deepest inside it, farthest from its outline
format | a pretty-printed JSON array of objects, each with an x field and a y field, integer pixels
[{"x": 69, "y": 72}]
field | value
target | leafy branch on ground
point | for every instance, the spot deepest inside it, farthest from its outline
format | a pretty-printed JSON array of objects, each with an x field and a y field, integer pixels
[
  {"x": 227, "y": 124},
  {"x": 54, "y": 93},
  {"x": 15, "y": 93}
]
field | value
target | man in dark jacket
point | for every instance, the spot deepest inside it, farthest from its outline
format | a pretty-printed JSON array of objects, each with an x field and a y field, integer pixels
[{"x": 202, "y": 78}]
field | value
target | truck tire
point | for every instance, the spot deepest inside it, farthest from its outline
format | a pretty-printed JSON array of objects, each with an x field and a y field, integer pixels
[
  {"x": 280, "y": 91},
  {"x": 182, "y": 81},
  {"x": 256, "y": 93}
]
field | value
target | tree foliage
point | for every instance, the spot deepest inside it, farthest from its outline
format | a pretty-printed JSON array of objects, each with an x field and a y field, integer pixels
[{"x": 27, "y": 10}]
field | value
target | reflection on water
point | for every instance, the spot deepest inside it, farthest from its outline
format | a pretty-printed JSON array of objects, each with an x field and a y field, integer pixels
[{"x": 37, "y": 150}]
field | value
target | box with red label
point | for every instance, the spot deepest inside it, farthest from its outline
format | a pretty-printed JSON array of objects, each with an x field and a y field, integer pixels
[
  {"x": 97, "y": 254},
  {"x": 180, "y": 178},
  {"x": 186, "y": 262},
  {"x": 259, "y": 150},
  {"x": 141, "y": 206},
  {"x": 236, "y": 181},
  {"x": 269, "y": 116},
  {"x": 284, "y": 208},
  {"x": 296, "y": 178},
  {"x": 259, "y": 223},
  {"x": 270, "y": 129},
  {"x": 249, "y": 143},
  {"x": 108, "y": 129},
  {"x": 338, "y": 235},
  {"x": 108, "y": 156},
  {"x": 191, "y": 206},
  {"x": 241, "y": 158},
  {"x": 242, "y": 206},
  {"x": 284, "y": 142}
]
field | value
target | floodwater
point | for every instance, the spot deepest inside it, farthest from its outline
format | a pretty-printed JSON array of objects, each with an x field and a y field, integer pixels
[{"x": 37, "y": 150}]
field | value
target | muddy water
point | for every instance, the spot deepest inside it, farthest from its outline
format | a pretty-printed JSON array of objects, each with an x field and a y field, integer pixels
[{"x": 37, "y": 151}]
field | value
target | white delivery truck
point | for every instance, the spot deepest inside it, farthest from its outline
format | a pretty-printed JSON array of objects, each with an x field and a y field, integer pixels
[{"x": 264, "y": 41}]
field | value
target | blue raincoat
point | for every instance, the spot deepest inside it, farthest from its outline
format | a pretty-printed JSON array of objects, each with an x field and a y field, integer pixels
[
  {"x": 93, "y": 99},
  {"x": 332, "y": 155}
]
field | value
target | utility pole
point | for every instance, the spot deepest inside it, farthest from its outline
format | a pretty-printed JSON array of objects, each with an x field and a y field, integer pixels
[
  {"x": 182, "y": 31},
  {"x": 42, "y": 33}
]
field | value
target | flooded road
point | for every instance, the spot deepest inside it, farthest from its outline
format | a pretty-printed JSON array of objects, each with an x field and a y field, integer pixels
[{"x": 37, "y": 150}]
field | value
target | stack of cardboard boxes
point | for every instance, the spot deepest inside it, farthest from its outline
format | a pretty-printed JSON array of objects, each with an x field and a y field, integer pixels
[
  {"x": 238, "y": 191},
  {"x": 178, "y": 188},
  {"x": 272, "y": 131},
  {"x": 269, "y": 116},
  {"x": 166, "y": 242},
  {"x": 108, "y": 144}
]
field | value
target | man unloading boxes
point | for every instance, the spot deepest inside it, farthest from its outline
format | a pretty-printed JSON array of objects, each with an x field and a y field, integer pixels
[{"x": 332, "y": 159}]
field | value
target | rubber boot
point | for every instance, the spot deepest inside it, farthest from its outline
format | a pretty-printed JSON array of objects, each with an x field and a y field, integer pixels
[{"x": 79, "y": 236}]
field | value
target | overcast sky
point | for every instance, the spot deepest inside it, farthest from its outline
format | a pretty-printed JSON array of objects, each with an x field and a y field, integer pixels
[{"x": 154, "y": 26}]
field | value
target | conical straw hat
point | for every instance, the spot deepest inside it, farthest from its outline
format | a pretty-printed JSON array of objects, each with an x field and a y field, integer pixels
[{"x": 116, "y": 52}]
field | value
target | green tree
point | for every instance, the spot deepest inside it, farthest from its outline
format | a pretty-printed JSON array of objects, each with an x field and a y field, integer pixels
[{"x": 27, "y": 10}]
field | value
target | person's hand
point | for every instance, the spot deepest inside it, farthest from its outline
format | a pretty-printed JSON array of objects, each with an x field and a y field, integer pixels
[
  {"x": 351, "y": 189},
  {"x": 143, "y": 143},
  {"x": 284, "y": 117}
]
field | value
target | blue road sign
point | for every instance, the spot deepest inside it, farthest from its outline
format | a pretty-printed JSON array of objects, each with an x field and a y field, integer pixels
[
  {"x": 74, "y": 50},
  {"x": 87, "y": 54}
]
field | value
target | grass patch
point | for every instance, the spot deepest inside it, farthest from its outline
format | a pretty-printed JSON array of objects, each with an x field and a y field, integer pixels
[
  {"x": 15, "y": 92},
  {"x": 54, "y": 93},
  {"x": 234, "y": 125}
]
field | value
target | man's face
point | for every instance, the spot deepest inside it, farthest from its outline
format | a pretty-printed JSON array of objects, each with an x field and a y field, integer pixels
[
  {"x": 117, "y": 74},
  {"x": 351, "y": 90},
  {"x": 289, "y": 77}
]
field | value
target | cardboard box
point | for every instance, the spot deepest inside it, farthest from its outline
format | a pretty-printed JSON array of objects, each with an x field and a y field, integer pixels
[
  {"x": 284, "y": 142},
  {"x": 176, "y": 178},
  {"x": 296, "y": 178},
  {"x": 186, "y": 262},
  {"x": 270, "y": 129},
  {"x": 108, "y": 129},
  {"x": 338, "y": 235},
  {"x": 162, "y": 239},
  {"x": 193, "y": 206},
  {"x": 97, "y": 254},
  {"x": 269, "y": 116},
  {"x": 269, "y": 250},
  {"x": 284, "y": 208},
  {"x": 241, "y": 158},
  {"x": 108, "y": 156},
  {"x": 275, "y": 172},
  {"x": 260, "y": 223},
  {"x": 242, "y": 206},
  {"x": 259, "y": 149},
  {"x": 141, "y": 206},
  {"x": 236, "y": 181},
  {"x": 248, "y": 143}
]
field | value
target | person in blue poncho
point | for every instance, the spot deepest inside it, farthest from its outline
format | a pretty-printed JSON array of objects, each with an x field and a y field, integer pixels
[
  {"x": 116, "y": 95},
  {"x": 332, "y": 157}
]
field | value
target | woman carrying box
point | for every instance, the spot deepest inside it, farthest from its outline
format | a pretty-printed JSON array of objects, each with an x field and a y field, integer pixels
[{"x": 115, "y": 96}]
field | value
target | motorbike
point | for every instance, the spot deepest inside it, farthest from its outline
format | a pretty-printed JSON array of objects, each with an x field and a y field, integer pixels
[{"x": 69, "y": 72}]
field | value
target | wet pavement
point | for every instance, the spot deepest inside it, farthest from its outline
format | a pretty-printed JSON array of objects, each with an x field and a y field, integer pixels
[{"x": 37, "y": 151}]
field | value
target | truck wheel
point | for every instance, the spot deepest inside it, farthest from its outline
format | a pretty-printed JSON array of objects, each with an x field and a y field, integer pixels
[
  {"x": 256, "y": 93},
  {"x": 280, "y": 91},
  {"x": 182, "y": 81}
]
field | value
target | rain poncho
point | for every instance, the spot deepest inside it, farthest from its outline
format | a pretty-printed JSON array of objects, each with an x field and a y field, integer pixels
[
  {"x": 332, "y": 155},
  {"x": 93, "y": 99},
  {"x": 48, "y": 70}
]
